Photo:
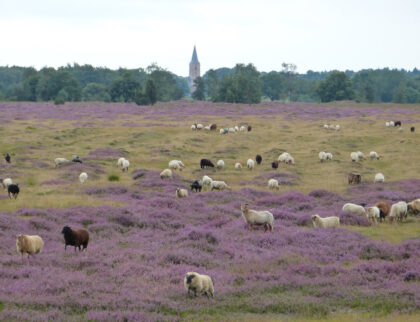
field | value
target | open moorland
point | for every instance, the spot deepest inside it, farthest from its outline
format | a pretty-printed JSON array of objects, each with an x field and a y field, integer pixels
[{"x": 143, "y": 240}]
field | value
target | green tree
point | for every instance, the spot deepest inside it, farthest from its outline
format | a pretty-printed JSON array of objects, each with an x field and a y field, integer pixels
[
  {"x": 165, "y": 82},
  {"x": 336, "y": 87},
  {"x": 124, "y": 88},
  {"x": 199, "y": 93},
  {"x": 151, "y": 92},
  {"x": 272, "y": 85},
  {"x": 95, "y": 92},
  {"x": 289, "y": 72}
]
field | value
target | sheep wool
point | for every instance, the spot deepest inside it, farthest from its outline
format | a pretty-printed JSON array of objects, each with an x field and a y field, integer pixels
[
  {"x": 258, "y": 218},
  {"x": 198, "y": 283},
  {"x": 83, "y": 177},
  {"x": 6, "y": 183},
  {"x": 238, "y": 166},
  {"x": 59, "y": 161},
  {"x": 167, "y": 173},
  {"x": 373, "y": 214},
  {"x": 398, "y": 211},
  {"x": 220, "y": 164},
  {"x": 207, "y": 181},
  {"x": 354, "y": 156},
  {"x": 27, "y": 244},
  {"x": 125, "y": 165},
  {"x": 219, "y": 185},
  {"x": 379, "y": 177},
  {"x": 326, "y": 222},
  {"x": 354, "y": 209},
  {"x": 250, "y": 164},
  {"x": 181, "y": 193},
  {"x": 273, "y": 184},
  {"x": 322, "y": 156},
  {"x": 120, "y": 162}
]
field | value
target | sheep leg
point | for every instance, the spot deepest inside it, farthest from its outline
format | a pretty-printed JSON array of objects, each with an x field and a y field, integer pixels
[
  {"x": 9, "y": 195},
  {"x": 265, "y": 228}
]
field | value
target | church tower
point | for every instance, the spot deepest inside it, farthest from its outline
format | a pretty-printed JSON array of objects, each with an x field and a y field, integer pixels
[{"x": 194, "y": 70}]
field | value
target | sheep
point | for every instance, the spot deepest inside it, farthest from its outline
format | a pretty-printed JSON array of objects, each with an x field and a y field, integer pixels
[
  {"x": 199, "y": 126},
  {"x": 329, "y": 155},
  {"x": 398, "y": 211},
  {"x": 289, "y": 160},
  {"x": 7, "y": 157},
  {"x": 231, "y": 130},
  {"x": 242, "y": 128},
  {"x": 83, "y": 177},
  {"x": 222, "y": 131},
  {"x": 6, "y": 182},
  {"x": 379, "y": 177},
  {"x": 60, "y": 161},
  {"x": 354, "y": 156},
  {"x": 326, "y": 126},
  {"x": 397, "y": 123},
  {"x": 282, "y": 157},
  {"x": 249, "y": 128},
  {"x": 258, "y": 218},
  {"x": 360, "y": 155},
  {"x": 197, "y": 185},
  {"x": 384, "y": 208},
  {"x": 250, "y": 164},
  {"x": 13, "y": 189},
  {"x": 219, "y": 185},
  {"x": 75, "y": 237},
  {"x": 373, "y": 213},
  {"x": 193, "y": 127},
  {"x": 337, "y": 127},
  {"x": 258, "y": 158},
  {"x": 198, "y": 283},
  {"x": 326, "y": 222},
  {"x": 354, "y": 209},
  {"x": 322, "y": 156},
  {"x": 181, "y": 193},
  {"x": 207, "y": 127},
  {"x": 167, "y": 173},
  {"x": 275, "y": 164},
  {"x": 29, "y": 244},
  {"x": 120, "y": 162},
  {"x": 213, "y": 127},
  {"x": 125, "y": 165},
  {"x": 238, "y": 166},
  {"x": 412, "y": 129},
  {"x": 76, "y": 159},
  {"x": 391, "y": 123},
  {"x": 414, "y": 206},
  {"x": 236, "y": 128},
  {"x": 387, "y": 124},
  {"x": 220, "y": 164},
  {"x": 207, "y": 181},
  {"x": 273, "y": 184},
  {"x": 374, "y": 155},
  {"x": 354, "y": 178},
  {"x": 206, "y": 163},
  {"x": 176, "y": 165},
  {"x": 400, "y": 129}
]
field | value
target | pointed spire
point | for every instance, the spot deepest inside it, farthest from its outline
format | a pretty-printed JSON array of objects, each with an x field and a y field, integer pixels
[{"x": 194, "y": 59}]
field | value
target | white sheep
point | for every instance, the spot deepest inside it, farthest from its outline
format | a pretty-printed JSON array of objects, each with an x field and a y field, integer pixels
[
  {"x": 326, "y": 126},
  {"x": 379, "y": 177},
  {"x": 337, "y": 127},
  {"x": 125, "y": 165},
  {"x": 373, "y": 214},
  {"x": 220, "y": 164},
  {"x": 207, "y": 127},
  {"x": 198, "y": 283},
  {"x": 273, "y": 184},
  {"x": 238, "y": 166},
  {"x": 398, "y": 211},
  {"x": 329, "y": 155},
  {"x": 231, "y": 130},
  {"x": 59, "y": 161},
  {"x": 354, "y": 209},
  {"x": 83, "y": 177},
  {"x": 289, "y": 160},
  {"x": 27, "y": 244},
  {"x": 360, "y": 155},
  {"x": 218, "y": 185},
  {"x": 236, "y": 128},
  {"x": 258, "y": 218},
  {"x": 387, "y": 124},
  {"x": 6, "y": 183},
  {"x": 181, "y": 193},
  {"x": 207, "y": 181},
  {"x": 282, "y": 157},
  {"x": 167, "y": 173},
  {"x": 193, "y": 127},
  {"x": 242, "y": 128},
  {"x": 176, "y": 165},
  {"x": 199, "y": 126},
  {"x": 326, "y": 222},
  {"x": 391, "y": 123},
  {"x": 222, "y": 131},
  {"x": 354, "y": 156},
  {"x": 250, "y": 164},
  {"x": 374, "y": 155},
  {"x": 120, "y": 162},
  {"x": 322, "y": 156}
]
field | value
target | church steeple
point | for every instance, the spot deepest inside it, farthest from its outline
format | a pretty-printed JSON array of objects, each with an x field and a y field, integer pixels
[
  {"x": 194, "y": 59},
  {"x": 194, "y": 70}
]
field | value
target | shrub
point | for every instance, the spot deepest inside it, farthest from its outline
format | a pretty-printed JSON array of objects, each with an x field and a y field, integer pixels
[{"x": 113, "y": 177}]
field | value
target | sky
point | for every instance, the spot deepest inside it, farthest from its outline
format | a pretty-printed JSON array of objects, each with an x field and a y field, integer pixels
[{"x": 316, "y": 35}]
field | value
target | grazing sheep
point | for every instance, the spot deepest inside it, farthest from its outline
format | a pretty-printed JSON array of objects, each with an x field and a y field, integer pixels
[
  {"x": 176, "y": 165},
  {"x": 360, "y": 155},
  {"x": 199, "y": 126},
  {"x": 374, "y": 155},
  {"x": 27, "y": 244},
  {"x": 322, "y": 156},
  {"x": 231, "y": 130},
  {"x": 337, "y": 127},
  {"x": 273, "y": 184},
  {"x": 400, "y": 129},
  {"x": 206, "y": 163},
  {"x": 329, "y": 155},
  {"x": 354, "y": 156},
  {"x": 391, "y": 123},
  {"x": 181, "y": 193},
  {"x": 250, "y": 164},
  {"x": 6, "y": 182},
  {"x": 125, "y": 165},
  {"x": 397, "y": 123},
  {"x": 213, "y": 127},
  {"x": 384, "y": 208},
  {"x": 197, "y": 185},
  {"x": 242, "y": 128},
  {"x": 373, "y": 213},
  {"x": 7, "y": 157},
  {"x": 220, "y": 164},
  {"x": 326, "y": 126},
  {"x": 289, "y": 160},
  {"x": 258, "y": 158},
  {"x": 379, "y": 177},
  {"x": 167, "y": 173},
  {"x": 223, "y": 131},
  {"x": 83, "y": 177},
  {"x": 414, "y": 206},
  {"x": 249, "y": 128},
  {"x": 75, "y": 237},
  {"x": 238, "y": 166},
  {"x": 60, "y": 161},
  {"x": 207, "y": 127},
  {"x": 120, "y": 162},
  {"x": 412, "y": 129},
  {"x": 354, "y": 178},
  {"x": 207, "y": 181},
  {"x": 398, "y": 211},
  {"x": 282, "y": 157},
  {"x": 198, "y": 283},
  {"x": 236, "y": 128},
  {"x": 76, "y": 159},
  {"x": 219, "y": 185},
  {"x": 354, "y": 209},
  {"x": 326, "y": 222},
  {"x": 13, "y": 189},
  {"x": 258, "y": 218},
  {"x": 387, "y": 124},
  {"x": 275, "y": 164},
  {"x": 193, "y": 127}
]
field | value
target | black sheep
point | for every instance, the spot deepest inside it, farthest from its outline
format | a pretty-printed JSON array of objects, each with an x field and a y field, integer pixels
[
  {"x": 412, "y": 129},
  {"x": 13, "y": 189},
  {"x": 249, "y": 128},
  {"x": 76, "y": 159},
  {"x": 75, "y": 237},
  {"x": 258, "y": 158},
  {"x": 7, "y": 157},
  {"x": 275, "y": 164},
  {"x": 196, "y": 185},
  {"x": 213, "y": 127},
  {"x": 397, "y": 123},
  {"x": 206, "y": 163}
]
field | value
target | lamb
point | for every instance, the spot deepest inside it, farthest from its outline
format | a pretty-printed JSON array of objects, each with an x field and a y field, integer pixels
[
  {"x": 397, "y": 123},
  {"x": 250, "y": 164},
  {"x": 176, "y": 165},
  {"x": 213, "y": 127},
  {"x": 125, "y": 165},
  {"x": 384, "y": 208},
  {"x": 198, "y": 283},
  {"x": 412, "y": 129},
  {"x": 373, "y": 213},
  {"x": 7, "y": 157},
  {"x": 207, "y": 181},
  {"x": 199, "y": 126},
  {"x": 219, "y": 185},
  {"x": 6, "y": 182},
  {"x": 120, "y": 162},
  {"x": 83, "y": 177},
  {"x": 238, "y": 166},
  {"x": 329, "y": 155},
  {"x": 374, "y": 155},
  {"x": 75, "y": 237},
  {"x": 60, "y": 161},
  {"x": 13, "y": 189},
  {"x": 398, "y": 211},
  {"x": 181, "y": 193},
  {"x": 326, "y": 222},
  {"x": 76, "y": 159},
  {"x": 414, "y": 206},
  {"x": 322, "y": 156},
  {"x": 273, "y": 184},
  {"x": 354, "y": 156},
  {"x": 354, "y": 209},
  {"x": 167, "y": 173},
  {"x": 275, "y": 164},
  {"x": 206, "y": 163},
  {"x": 258, "y": 218},
  {"x": 360, "y": 155},
  {"x": 354, "y": 177},
  {"x": 197, "y": 185},
  {"x": 220, "y": 164},
  {"x": 379, "y": 177},
  {"x": 29, "y": 244}
]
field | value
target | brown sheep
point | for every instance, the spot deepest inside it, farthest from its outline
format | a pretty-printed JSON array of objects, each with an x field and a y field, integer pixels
[
  {"x": 275, "y": 164},
  {"x": 75, "y": 237},
  {"x": 213, "y": 127},
  {"x": 414, "y": 206},
  {"x": 384, "y": 208},
  {"x": 354, "y": 178}
]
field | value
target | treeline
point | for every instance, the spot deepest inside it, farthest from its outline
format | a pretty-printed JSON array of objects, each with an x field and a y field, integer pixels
[{"x": 241, "y": 84}]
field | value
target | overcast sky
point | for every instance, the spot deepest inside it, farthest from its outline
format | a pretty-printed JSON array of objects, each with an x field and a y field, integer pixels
[{"x": 313, "y": 34}]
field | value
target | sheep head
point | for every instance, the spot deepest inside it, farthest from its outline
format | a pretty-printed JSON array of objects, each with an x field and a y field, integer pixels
[{"x": 189, "y": 278}]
